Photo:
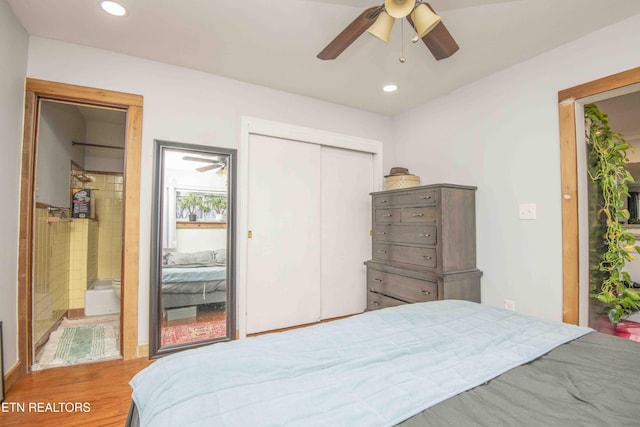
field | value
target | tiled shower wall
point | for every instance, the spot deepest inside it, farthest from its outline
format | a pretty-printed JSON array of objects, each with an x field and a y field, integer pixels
[
  {"x": 50, "y": 274},
  {"x": 108, "y": 209},
  {"x": 83, "y": 262}
]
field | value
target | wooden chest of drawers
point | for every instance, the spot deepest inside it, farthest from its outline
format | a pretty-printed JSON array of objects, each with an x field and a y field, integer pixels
[{"x": 424, "y": 246}]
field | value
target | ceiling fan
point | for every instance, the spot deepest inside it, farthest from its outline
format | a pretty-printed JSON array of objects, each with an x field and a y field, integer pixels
[
  {"x": 378, "y": 20},
  {"x": 216, "y": 164}
]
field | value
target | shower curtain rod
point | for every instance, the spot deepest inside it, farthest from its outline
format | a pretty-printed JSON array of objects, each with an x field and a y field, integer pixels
[{"x": 96, "y": 145}]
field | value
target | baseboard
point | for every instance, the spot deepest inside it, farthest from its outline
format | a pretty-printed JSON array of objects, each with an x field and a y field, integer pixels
[
  {"x": 143, "y": 350},
  {"x": 13, "y": 375}
]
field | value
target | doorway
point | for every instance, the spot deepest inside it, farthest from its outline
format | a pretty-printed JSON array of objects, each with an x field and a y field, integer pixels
[
  {"x": 570, "y": 105},
  {"x": 77, "y": 257},
  {"x": 131, "y": 105}
]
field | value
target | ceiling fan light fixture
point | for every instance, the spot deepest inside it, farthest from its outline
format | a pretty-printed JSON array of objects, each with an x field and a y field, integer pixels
[
  {"x": 390, "y": 88},
  {"x": 399, "y": 8},
  {"x": 382, "y": 27},
  {"x": 424, "y": 20}
]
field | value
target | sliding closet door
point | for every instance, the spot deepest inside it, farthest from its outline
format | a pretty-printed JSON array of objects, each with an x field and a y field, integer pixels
[
  {"x": 347, "y": 180},
  {"x": 283, "y": 265}
]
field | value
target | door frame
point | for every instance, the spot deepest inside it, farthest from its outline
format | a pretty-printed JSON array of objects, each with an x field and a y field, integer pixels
[
  {"x": 257, "y": 126},
  {"x": 567, "y": 100},
  {"x": 36, "y": 90}
]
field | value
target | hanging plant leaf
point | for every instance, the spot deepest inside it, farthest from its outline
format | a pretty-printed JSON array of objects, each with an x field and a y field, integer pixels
[{"x": 608, "y": 169}]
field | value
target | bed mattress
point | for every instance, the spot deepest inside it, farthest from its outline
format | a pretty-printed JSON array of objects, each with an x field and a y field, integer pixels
[
  {"x": 590, "y": 381},
  {"x": 378, "y": 368},
  {"x": 193, "y": 274}
]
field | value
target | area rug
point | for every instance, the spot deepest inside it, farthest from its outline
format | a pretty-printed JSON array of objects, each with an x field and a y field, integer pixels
[
  {"x": 83, "y": 343},
  {"x": 183, "y": 334}
]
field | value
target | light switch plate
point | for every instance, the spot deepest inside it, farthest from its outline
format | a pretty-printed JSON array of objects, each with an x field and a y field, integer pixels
[{"x": 527, "y": 211}]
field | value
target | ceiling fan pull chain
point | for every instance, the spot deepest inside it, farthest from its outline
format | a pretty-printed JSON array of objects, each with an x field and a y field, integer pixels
[{"x": 402, "y": 59}]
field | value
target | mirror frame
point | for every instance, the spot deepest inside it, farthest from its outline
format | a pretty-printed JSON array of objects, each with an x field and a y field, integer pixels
[{"x": 155, "y": 301}]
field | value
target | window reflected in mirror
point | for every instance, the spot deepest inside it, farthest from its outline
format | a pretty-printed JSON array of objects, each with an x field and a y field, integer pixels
[{"x": 191, "y": 290}]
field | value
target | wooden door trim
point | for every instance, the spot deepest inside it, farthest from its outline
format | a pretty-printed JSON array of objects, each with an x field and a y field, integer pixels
[
  {"x": 132, "y": 104},
  {"x": 567, "y": 99}
]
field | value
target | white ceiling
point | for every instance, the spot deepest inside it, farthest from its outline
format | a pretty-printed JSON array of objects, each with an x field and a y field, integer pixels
[{"x": 275, "y": 43}]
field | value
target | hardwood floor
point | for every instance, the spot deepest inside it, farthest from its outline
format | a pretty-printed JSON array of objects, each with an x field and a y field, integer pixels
[{"x": 96, "y": 394}]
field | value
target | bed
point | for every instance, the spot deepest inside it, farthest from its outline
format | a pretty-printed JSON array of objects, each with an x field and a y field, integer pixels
[
  {"x": 193, "y": 278},
  {"x": 440, "y": 363}
]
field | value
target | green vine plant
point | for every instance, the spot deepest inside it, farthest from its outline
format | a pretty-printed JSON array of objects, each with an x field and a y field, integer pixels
[{"x": 608, "y": 170}]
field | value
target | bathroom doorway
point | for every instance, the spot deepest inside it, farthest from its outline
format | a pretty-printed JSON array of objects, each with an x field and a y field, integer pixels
[
  {"x": 35, "y": 92},
  {"x": 77, "y": 241}
]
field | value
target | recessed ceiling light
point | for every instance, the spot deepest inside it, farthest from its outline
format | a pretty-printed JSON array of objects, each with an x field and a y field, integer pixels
[
  {"x": 113, "y": 8},
  {"x": 390, "y": 88}
]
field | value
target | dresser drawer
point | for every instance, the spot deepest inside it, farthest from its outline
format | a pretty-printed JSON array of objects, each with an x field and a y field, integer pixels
[
  {"x": 424, "y": 257},
  {"x": 386, "y": 216},
  {"x": 406, "y": 288},
  {"x": 376, "y": 301},
  {"x": 420, "y": 234},
  {"x": 426, "y": 214},
  {"x": 425, "y": 197}
]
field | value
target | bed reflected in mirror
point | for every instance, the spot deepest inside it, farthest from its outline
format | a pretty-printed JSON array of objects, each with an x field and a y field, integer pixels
[{"x": 192, "y": 282}]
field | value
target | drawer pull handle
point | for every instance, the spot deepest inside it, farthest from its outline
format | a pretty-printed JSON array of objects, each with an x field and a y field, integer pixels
[
  {"x": 374, "y": 302},
  {"x": 387, "y": 216},
  {"x": 425, "y": 197},
  {"x": 418, "y": 214},
  {"x": 382, "y": 252},
  {"x": 381, "y": 232},
  {"x": 424, "y": 235},
  {"x": 424, "y": 291},
  {"x": 383, "y": 201},
  {"x": 427, "y": 257},
  {"x": 377, "y": 280}
]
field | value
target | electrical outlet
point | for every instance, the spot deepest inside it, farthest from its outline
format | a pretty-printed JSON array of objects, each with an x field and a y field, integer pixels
[{"x": 510, "y": 305}]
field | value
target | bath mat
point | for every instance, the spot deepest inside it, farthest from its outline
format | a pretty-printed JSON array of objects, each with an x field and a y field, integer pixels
[
  {"x": 72, "y": 345},
  {"x": 183, "y": 334}
]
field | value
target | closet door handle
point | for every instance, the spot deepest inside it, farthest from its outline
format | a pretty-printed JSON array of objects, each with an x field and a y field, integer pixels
[{"x": 418, "y": 214}]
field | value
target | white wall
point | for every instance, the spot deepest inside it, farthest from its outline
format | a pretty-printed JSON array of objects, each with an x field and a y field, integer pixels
[
  {"x": 60, "y": 124},
  {"x": 201, "y": 239},
  {"x": 193, "y": 107},
  {"x": 105, "y": 159},
  {"x": 13, "y": 51},
  {"x": 501, "y": 134}
]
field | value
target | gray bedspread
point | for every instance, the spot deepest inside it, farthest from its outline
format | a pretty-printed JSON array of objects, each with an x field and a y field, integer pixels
[{"x": 592, "y": 381}]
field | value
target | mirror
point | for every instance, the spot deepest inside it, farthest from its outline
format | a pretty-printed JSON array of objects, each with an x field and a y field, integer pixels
[{"x": 192, "y": 247}]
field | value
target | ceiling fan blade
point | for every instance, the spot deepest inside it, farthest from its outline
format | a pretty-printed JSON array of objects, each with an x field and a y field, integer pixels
[
  {"x": 209, "y": 167},
  {"x": 350, "y": 33},
  {"x": 439, "y": 40},
  {"x": 199, "y": 159}
]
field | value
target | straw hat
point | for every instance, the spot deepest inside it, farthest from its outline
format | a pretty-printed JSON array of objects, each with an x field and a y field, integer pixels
[{"x": 398, "y": 171}]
